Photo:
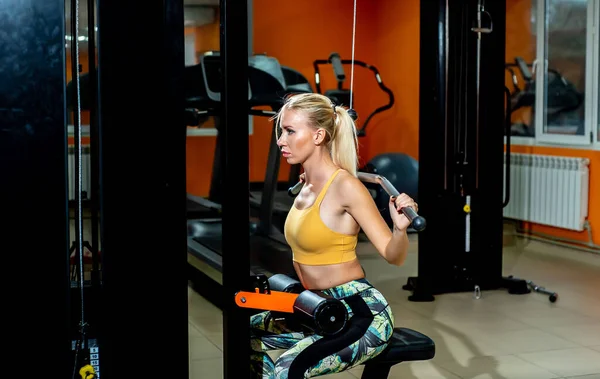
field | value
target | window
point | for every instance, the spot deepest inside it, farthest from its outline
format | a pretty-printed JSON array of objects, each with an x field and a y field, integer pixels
[
  {"x": 521, "y": 42},
  {"x": 553, "y": 65}
]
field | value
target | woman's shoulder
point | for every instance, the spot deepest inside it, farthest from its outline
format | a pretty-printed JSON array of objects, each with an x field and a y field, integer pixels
[{"x": 347, "y": 184}]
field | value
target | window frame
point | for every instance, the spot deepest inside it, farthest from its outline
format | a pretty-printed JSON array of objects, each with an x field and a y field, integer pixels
[
  {"x": 596, "y": 76},
  {"x": 591, "y": 138},
  {"x": 540, "y": 134}
]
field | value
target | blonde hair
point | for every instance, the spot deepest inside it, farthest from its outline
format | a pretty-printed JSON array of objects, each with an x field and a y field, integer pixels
[{"x": 342, "y": 141}]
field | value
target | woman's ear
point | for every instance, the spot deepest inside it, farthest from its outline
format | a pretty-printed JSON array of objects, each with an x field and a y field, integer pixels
[{"x": 319, "y": 136}]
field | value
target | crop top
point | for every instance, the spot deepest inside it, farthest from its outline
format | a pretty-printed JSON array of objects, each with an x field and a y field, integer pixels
[{"x": 313, "y": 242}]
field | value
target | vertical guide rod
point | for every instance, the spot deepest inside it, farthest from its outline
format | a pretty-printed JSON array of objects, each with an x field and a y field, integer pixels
[
  {"x": 94, "y": 143},
  {"x": 235, "y": 210},
  {"x": 479, "y": 30},
  {"x": 77, "y": 155}
]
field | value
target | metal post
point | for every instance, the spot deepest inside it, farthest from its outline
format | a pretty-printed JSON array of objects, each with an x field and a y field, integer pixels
[
  {"x": 236, "y": 207},
  {"x": 33, "y": 192},
  {"x": 142, "y": 183},
  {"x": 458, "y": 122}
]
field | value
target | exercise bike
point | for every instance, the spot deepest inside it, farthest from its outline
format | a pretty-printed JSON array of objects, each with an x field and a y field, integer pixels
[
  {"x": 400, "y": 169},
  {"x": 562, "y": 96}
]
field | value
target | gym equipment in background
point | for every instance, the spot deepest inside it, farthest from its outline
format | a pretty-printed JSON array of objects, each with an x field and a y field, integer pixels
[
  {"x": 269, "y": 252},
  {"x": 461, "y": 150},
  {"x": 562, "y": 96},
  {"x": 552, "y": 296},
  {"x": 271, "y": 82},
  {"x": 400, "y": 169}
]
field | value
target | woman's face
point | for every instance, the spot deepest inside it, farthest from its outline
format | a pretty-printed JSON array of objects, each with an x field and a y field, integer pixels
[{"x": 297, "y": 139}]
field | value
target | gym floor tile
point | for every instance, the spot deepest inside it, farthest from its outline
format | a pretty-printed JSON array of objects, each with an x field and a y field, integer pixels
[
  {"x": 497, "y": 367},
  {"x": 498, "y": 336},
  {"x": 567, "y": 362},
  {"x": 417, "y": 370}
]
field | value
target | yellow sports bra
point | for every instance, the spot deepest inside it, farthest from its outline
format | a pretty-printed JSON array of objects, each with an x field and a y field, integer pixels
[{"x": 312, "y": 242}]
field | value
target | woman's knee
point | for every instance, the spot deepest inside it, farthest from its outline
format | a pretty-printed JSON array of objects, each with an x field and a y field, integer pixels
[
  {"x": 281, "y": 368},
  {"x": 260, "y": 320}
]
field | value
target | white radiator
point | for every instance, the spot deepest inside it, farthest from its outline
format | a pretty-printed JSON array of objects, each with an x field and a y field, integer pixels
[
  {"x": 548, "y": 190},
  {"x": 85, "y": 171}
]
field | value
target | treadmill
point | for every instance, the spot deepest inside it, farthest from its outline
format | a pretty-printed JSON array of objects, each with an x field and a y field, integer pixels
[
  {"x": 199, "y": 108},
  {"x": 271, "y": 82},
  {"x": 269, "y": 252}
]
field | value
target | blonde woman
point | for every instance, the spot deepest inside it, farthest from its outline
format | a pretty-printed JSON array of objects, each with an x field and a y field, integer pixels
[{"x": 322, "y": 230}]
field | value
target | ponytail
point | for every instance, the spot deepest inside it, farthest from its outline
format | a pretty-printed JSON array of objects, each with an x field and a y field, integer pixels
[
  {"x": 342, "y": 141},
  {"x": 344, "y": 144}
]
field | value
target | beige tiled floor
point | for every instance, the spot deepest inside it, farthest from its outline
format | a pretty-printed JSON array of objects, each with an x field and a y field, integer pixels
[{"x": 499, "y": 336}]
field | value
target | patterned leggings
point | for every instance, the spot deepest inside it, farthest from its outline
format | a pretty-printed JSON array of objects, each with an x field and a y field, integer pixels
[{"x": 369, "y": 328}]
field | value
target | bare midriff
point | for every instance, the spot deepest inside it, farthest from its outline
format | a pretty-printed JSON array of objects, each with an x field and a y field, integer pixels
[{"x": 328, "y": 276}]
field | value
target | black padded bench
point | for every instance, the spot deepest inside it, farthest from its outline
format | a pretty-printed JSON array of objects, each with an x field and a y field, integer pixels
[{"x": 406, "y": 345}]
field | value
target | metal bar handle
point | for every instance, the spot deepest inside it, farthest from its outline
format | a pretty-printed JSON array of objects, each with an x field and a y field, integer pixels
[{"x": 417, "y": 222}]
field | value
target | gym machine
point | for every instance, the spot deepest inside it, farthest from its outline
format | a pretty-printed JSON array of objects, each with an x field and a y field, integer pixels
[
  {"x": 235, "y": 178},
  {"x": 142, "y": 180},
  {"x": 118, "y": 165},
  {"x": 284, "y": 295},
  {"x": 269, "y": 252},
  {"x": 271, "y": 203},
  {"x": 286, "y": 298},
  {"x": 562, "y": 96},
  {"x": 33, "y": 195},
  {"x": 270, "y": 82},
  {"x": 461, "y": 150}
]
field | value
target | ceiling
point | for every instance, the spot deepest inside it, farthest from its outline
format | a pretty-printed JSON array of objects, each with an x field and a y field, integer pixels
[
  {"x": 191, "y": 12},
  {"x": 196, "y": 12},
  {"x": 212, "y": 3}
]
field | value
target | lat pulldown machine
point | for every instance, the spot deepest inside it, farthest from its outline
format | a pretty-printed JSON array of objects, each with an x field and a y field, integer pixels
[{"x": 285, "y": 297}]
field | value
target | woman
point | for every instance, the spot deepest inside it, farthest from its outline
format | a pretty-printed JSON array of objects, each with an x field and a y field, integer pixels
[{"x": 322, "y": 229}]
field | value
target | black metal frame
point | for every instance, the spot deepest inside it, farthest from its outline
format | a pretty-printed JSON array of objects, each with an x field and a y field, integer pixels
[
  {"x": 34, "y": 199},
  {"x": 236, "y": 205},
  {"x": 445, "y": 265},
  {"x": 94, "y": 146},
  {"x": 142, "y": 179}
]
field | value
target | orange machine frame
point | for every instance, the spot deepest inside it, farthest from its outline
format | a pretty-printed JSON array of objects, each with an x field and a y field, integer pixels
[{"x": 274, "y": 301}]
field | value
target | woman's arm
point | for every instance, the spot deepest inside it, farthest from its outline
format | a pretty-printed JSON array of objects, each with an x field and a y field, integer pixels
[
  {"x": 397, "y": 248},
  {"x": 357, "y": 201}
]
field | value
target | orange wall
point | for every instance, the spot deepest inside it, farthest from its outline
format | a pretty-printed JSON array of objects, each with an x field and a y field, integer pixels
[
  {"x": 521, "y": 42},
  {"x": 200, "y": 150},
  {"x": 386, "y": 37},
  {"x": 83, "y": 62},
  {"x": 396, "y": 55},
  {"x": 309, "y": 30}
]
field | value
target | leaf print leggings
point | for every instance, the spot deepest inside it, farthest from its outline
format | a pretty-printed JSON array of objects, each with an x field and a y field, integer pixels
[{"x": 369, "y": 328}]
